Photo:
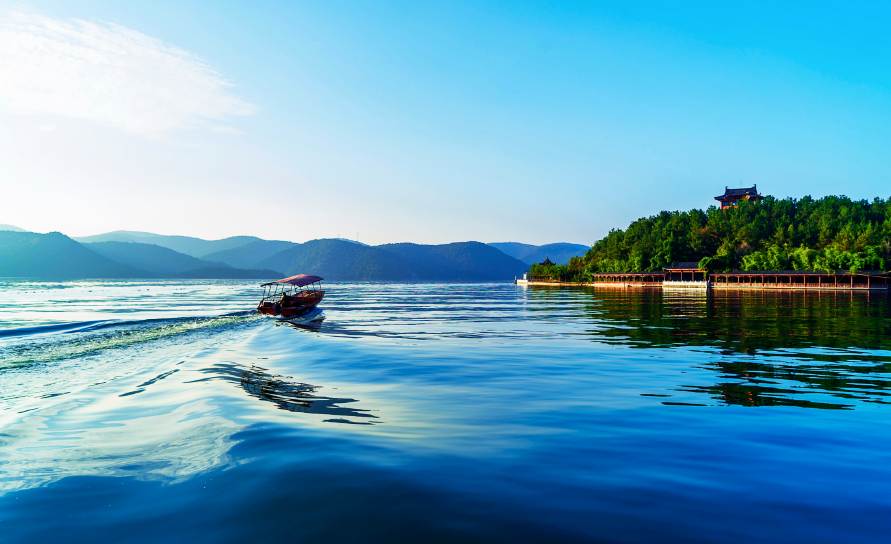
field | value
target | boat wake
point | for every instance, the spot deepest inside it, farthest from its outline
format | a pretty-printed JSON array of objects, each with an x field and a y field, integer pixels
[
  {"x": 48, "y": 343},
  {"x": 315, "y": 314}
]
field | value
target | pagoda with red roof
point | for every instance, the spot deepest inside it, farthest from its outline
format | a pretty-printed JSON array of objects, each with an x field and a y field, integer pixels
[{"x": 732, "y": 196}]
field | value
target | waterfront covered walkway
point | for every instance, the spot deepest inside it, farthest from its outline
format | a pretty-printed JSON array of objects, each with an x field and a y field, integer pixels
[
  {"x": 631, "y": 279},
  {"x": 799, "y": 279},
  {"x": 686, "y": 275}
]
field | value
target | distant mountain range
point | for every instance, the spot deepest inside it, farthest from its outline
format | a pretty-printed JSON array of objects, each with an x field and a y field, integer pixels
[
  {"x": 54, "y": 255},
  {"x": 249, "y": 254},
  {"x": 557, "y": 253},
  {"x": 195, "y": 247},
  {"x": 347, "y": 261},
  {"x": 461, "y": 261},
  {"x": 11, "y": 227},
  {"x": 150, "y": 257},
  {"x": 131, "y": 254}
]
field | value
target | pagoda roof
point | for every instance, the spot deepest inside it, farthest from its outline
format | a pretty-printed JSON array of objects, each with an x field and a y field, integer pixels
[{"x": 745, "y": 191}]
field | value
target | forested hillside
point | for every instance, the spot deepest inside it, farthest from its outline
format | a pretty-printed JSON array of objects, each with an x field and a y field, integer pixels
[
  {"x": 194, "y": 247},
  {"x": 228, "y": 273},
  {"x": 339, "y": 261},
  {"x": 832, "y": 233},
  {"x": 249, "y": 254},
  {"x": 458, "y": 261},
  {"x": 154, "y": 259},
  {"x": 347, "y": 261},
  {"x": 54, "y": 255},
  {"x": 559, "y": 253}
]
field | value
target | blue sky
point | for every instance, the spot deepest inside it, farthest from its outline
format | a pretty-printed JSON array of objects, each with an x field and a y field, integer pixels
[{"x": 435, "y": 122}]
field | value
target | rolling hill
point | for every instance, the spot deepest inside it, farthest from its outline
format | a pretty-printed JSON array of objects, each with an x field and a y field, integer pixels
[
  {"x": 459, "y": 261},
  {"x": 155, "y": 259},
  {"x": 337, "y": 260},
  {"x": 247, "y": 255},
  {"x": 195, "y": 247},
  {"x": 56, "y": 256},
  {"x": 559, "y": 253},
  {"x": 346, "y": 261},
  {"x": 228, "y": 273},
  {"x": 12, "y": 228},
  {"x": 141, "y": 254}
]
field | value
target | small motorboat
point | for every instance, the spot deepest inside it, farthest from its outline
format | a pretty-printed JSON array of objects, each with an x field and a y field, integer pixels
[{"x": 289, "y": 298}]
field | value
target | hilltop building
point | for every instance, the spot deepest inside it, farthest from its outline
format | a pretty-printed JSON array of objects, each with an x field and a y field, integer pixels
[{"x": 732, "y": 196}]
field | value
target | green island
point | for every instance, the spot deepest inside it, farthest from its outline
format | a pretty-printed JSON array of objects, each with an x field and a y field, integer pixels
[{"x": 831, "y": 233}]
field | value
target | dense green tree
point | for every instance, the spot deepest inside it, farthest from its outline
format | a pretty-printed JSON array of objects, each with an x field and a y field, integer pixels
[{"x": 831, "y": 233}]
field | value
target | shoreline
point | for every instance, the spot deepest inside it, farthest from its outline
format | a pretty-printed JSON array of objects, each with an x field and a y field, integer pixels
[{"x": 701, "y": 286}]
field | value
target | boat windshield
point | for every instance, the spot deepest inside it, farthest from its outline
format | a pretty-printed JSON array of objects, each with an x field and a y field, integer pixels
[{"x": 276, "y": 291}]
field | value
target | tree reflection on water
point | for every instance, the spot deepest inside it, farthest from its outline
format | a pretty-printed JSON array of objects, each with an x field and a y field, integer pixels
[{"x": 829, "y": 350}]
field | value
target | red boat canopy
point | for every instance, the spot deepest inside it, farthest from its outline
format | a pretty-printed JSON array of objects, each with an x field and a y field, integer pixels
[{"x": 299, "y": 280}]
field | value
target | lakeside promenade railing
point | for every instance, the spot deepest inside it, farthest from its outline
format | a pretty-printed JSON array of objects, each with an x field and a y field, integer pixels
[
  {"x": 800, "y": 279},
  {"x": 783, "y": 279}
]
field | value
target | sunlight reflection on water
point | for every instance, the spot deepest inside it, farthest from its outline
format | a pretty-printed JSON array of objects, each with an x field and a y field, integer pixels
[{"x": 522, "y": 413}]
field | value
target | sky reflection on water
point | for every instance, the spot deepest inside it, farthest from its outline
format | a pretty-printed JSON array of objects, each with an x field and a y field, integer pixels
[
  {"x": 778, "y": 348},
  {"x": 449, "y": 412}
]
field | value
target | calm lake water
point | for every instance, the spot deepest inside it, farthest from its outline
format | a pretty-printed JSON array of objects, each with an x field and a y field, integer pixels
[{"x": 169, "y": 412}]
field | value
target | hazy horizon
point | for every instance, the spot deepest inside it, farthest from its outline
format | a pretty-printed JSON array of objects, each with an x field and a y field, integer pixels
[
  {"x": 137, "y": 233},
  {"x": 428, "y": 124}
]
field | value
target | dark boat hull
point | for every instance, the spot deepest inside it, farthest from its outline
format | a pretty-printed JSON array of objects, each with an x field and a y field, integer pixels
[{"x": 296, "y": 309}]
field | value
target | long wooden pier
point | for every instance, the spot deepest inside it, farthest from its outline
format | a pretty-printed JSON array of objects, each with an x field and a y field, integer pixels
[{"x": 867, "y": 280}]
